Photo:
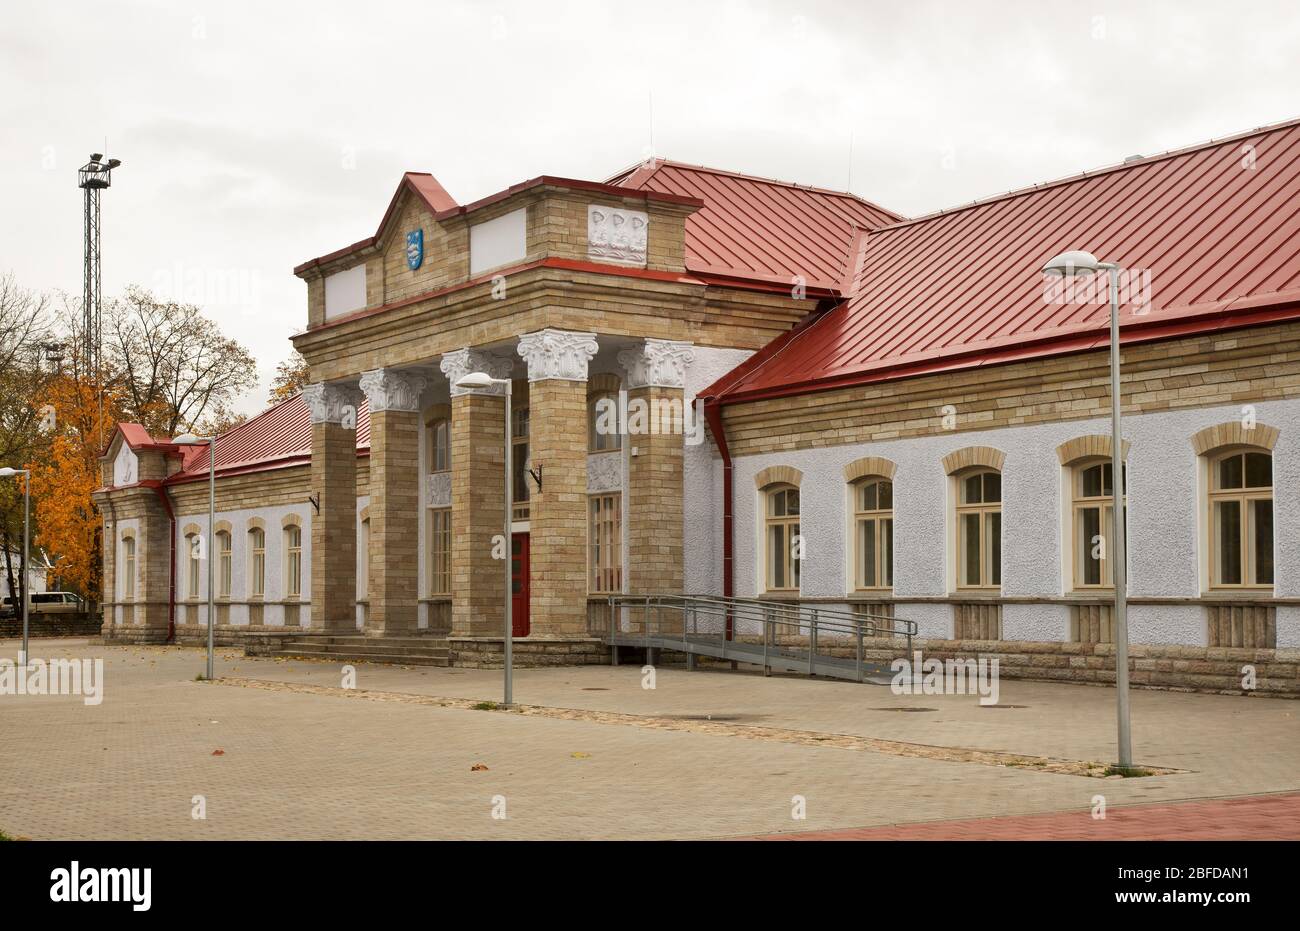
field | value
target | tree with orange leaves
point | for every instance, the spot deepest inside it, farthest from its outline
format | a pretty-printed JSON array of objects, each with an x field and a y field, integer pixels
[{"x": 63, "y": 478}]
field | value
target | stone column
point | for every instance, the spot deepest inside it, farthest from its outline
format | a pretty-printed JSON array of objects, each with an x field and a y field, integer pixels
[
  {"x": 655, "y": 376},
  {"x": 334, "y": 484},
  {"x": 477, "y": 495},
  {"x": 557, "y": 402},
  {"x": 394, "y": 400}
]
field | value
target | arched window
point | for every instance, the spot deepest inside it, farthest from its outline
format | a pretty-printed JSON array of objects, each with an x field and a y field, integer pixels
[
  {"x": 1241, "y": 518},
  {"x": 873, "y": 533},
  {"x": 128, "y": 569},
  {"x": 979, "y": 528},
  {"x": 1092, "y": 509},
  {"x": 223, "y": 563},
  {"x": 256, "y": 562},
  {"x": 781, "y": 533},
  {"x": 292, "y": 561}
]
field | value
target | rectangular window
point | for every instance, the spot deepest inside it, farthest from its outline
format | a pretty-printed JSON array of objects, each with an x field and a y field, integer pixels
[
  {"x": 194, "y": 542},
  {"x": 440, "y": 552},
  {"x": 128, "y": 569},
  {"x": 293, "y": 561},
  {"x": 782, "y": 538},
  {"x": 979, "y": 530},
  {"x": 873, "y": 513},
  {"x": 257, "y": 562},
  {"x": 519, "y": 462},
  {"x": 1241, "y": 520},
  {"x": 439, "y": 445},
  {"x": 223, "y": 565},
  {"x": 605, "y": 544}
]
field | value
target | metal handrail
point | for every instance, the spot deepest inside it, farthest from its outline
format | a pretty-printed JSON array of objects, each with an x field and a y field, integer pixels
[{"x": 731, "y": 611}]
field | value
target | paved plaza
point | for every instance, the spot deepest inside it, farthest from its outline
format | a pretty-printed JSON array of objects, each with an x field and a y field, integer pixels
[{"x": 278, "y": 749}]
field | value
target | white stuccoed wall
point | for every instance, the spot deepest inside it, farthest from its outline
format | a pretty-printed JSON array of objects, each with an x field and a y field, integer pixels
[
  {"x": 132, "y": 524},
  {"x": 273, "y": 613},
  {"x": 702, "y": 480},
  {"x": 1163, "y": 516}
]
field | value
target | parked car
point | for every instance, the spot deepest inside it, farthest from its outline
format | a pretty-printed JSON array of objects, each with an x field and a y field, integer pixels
[{"x": 45, "y": 603}]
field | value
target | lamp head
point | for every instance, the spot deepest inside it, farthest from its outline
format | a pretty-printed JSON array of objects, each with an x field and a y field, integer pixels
[
  {"x": 1075, "y": 262},
  {"x": 8, "y": 472},
  {"x": 476, "y": 380},
  {"x": 187, "y": 439}
]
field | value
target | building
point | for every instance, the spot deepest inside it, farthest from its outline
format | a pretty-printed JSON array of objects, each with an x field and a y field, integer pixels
[{"x": 903, "y": 418}]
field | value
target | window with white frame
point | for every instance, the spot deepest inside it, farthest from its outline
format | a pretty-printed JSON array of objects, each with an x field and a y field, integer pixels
[
  {"x": 1092, "y": 520},
  {"x": 873, "y": 533},
  {"x": 440, "y": 551},
  {"x": 979, "y": 529},
  {"x": 605, "y": 543},
  {"x": 293, "y": 561},
  {"x": 128, "y": 569},
  {"x": 224, "y": 555},
  {"x": 781, "y": 538},
  {"x": 194, "y": 549},
  {"x": 1241, "y": 519},
  {"x": 256, "y": 562}
]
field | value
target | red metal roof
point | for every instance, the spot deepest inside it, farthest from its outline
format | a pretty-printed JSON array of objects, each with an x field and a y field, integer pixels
[
  {"x": 279, "y": 436},
  {"x": 757, "y": 228},
  {"x": 1218, "y": 233}
]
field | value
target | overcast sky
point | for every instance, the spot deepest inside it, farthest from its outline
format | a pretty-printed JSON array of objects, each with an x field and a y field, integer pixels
[{"x": 255, "y": 135}]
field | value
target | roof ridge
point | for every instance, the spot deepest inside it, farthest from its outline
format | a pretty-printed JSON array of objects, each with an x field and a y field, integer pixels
[
  {"x": 1090, "y": 173},
  {"x": 659, "y": 162}
]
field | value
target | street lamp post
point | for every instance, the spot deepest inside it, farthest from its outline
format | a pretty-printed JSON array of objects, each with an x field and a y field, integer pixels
[
  {"x": 190, "y": 438},
  {"x": 7, "y": 472},
  {"x": 484, "y": 380},
  {"x": 1069, "y": 264}
]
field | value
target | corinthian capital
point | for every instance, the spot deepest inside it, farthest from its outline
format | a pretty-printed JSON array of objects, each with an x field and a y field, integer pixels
[
  {"x": 659, "y": 363},
  {"x": 332, "y": 403},
  {"x": 559, "y": 354},
  {"x": 392, "y": 390}
]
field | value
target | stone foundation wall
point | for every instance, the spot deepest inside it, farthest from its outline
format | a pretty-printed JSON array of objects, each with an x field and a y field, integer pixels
[
  {"x": 51, "y": 625},
  {"x": 485, "y": 652},
  {"x": 1154, "y": 666}
]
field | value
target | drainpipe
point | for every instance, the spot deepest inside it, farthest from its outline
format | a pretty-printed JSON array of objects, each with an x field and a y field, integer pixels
[
  {"x": 171, "y": 561},
  {"x": 713, "y": 415}
]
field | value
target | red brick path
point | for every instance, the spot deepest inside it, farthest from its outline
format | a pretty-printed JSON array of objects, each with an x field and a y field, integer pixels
[{"x": 1263, "y": 817}]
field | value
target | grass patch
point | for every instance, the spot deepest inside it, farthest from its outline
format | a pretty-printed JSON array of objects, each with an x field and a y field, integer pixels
[
  {"x": 486, "y": 706},
  {"x": 5, "y": 837},
  {"x": 1128, "y": 772}
]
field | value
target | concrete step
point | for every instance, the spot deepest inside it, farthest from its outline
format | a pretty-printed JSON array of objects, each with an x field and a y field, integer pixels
[
  {"x": 356, "y": 656},
  {"x": 370, "y": 645}
]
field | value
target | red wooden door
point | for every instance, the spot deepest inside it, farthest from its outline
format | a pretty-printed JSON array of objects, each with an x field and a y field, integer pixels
[{"x": 519, "y": 584}]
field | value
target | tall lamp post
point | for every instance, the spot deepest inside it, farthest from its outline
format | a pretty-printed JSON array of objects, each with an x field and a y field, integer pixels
[
  {"x": 1069, "y": 264},
  {"x": 479, "y": 380},
  {"x": 7, "y": 472},
  {"x": 187, "y": 439}
]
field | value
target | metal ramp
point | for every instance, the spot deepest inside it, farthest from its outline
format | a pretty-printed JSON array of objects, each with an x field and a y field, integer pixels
[{"x": 779, "y": 635}]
